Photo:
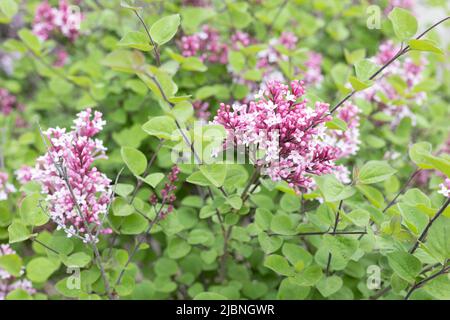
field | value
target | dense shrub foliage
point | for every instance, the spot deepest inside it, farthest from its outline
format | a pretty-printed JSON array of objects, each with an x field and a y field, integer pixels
[{"x": 262, "y": 149}]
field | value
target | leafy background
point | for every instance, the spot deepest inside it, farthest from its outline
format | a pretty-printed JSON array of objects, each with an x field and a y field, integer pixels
[{"x": 273, "y": 245}]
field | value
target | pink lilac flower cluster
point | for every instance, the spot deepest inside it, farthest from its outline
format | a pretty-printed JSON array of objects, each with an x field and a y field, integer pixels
[
  {"x": 271, "y": 55},
  {"x": 64, "y": 19},
  {"x": 8, "y": 102},
  {"x": 347, "y": 141},
  {"x": 76, "y": 190},
  {"x": 384, "y": 94},
  {"x": 167, "y": 193},
  {"x": 313, "y": 73},
  {"x": 24, "y": 174},
  {"x": 206, "y": 45},
  {"x": 196, "y": 3},
  {"x": 290, "y": 133},
  {"x": 8, "y": 282},
  {"x": 268, "y": 59},
  {"x": 241, "y": 39},
  {"x": 5, "y": 187},
  {"x": 405, "y": 4},
  {"x": 201, "y": 110},
  {"x": 61, "y": 58}
]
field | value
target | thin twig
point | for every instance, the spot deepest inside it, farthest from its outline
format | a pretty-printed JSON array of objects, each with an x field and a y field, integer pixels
[
  {"x": 336, "y": 222},
  {"x": 423, "y": 235}
]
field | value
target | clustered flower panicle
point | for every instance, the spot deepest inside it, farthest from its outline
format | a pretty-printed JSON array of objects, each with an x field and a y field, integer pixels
[
  {"x": 167, "y": 193},
  {"x": 385, "y": 95},
  {"x": 291, "y": 133},
  {"x": 68, "y": 167},
  {"x": 206, "y": 45},
  {"x": 63, "y": 19},
  {"x": 8, "y": 282},
  {"x": 8, "y": 102},
  {"x": 24, "y": 174}
]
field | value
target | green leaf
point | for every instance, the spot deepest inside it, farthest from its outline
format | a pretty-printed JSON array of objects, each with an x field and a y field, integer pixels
[
  {"x": 328, "y": 286},
  {"x": 364, "y": 69},
  {"x": 403, "y": 22},
  {"x": 438, "y": 239},
  {"x": 30, "y": 211},
  {"x": 279, "y": 265},
  {"x": 40, "y": 269},
  {"x": 269, "y": 244},
  {"x": 215, "y": 173},
  {"x": 418, "y": 153},
  {"x": 290, "y": 203},
  {"x": 125, "y": 61},
  {"x": 209, "y": 296},
  {"x": 415, "y": 219},
  {"x": 18, "y": 232},
  {"x": 340, "y": 247},
  {"x": 282, "y": 224},
  {"x": 235, "y": 201},
  {"x": 359, "y": 217},
  {"x": 425, "y": 45},
  {"x": 263, "y": 218},
  {"x": 405, "y": 265},
  {"x": 136, "y": 40},
  {"x": 198, "y": 178},
  {"x": 121, "y": 208},
  {"x": 295, "y": 254},
  {"x": 12, "y": 264},
  {"x": 8, "y": 9},
  {"x": 165, "y": 28},
  {"x": 309, "y": 276},
  {"x": 153, "y": 179},
  {"x": 290, "y": 290},
  {"x": 134, "y": 159},
  {"x": 30, "y": 40},
  {"x": 359, "y": 85},
  {"x": 162, "y": 127},
  {"x": 337, "y": 124},
  {"x": 332, "y": 189},
  {"x": 375, "y": 171},
  {"x": 78, "y": 259},
  {"x": 439, "y": 287},
  {"x": 178, "y": 248}
]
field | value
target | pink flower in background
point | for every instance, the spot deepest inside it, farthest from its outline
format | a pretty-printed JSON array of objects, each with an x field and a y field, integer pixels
[
  {"x": 5, "y": 187},
  {"x": 167, "y": 193},
  {"x": 346, "y": 141},
  {"x": 24, "y": 174},
  {"x": 8, "y": 102},
  {"x": 241, "y": 39},
  {"x": 405, "y": 4},
  {"x": 313, "y": 73},
  {"x": 206, "y": 45},
  {"x": 201, "y": 110},
  {"x": 445, "y": 188},
  {"x": 44, "y": 20},
  {"x": 271, "y": 55},
  {"x": 61, "y": 58},
  {"x": 74, "y": 152},
  {"x": 196, "y": 3},
  {"x": 64, "y": 19},
  {"x": 8, "y": 282},
  {"x": 384, "y": 94},
  {"x": 289, "y": 132}
]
